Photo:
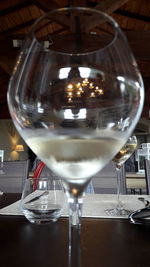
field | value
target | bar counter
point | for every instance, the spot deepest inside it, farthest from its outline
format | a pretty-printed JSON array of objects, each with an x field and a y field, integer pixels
[{"x": 104, "y": 242}]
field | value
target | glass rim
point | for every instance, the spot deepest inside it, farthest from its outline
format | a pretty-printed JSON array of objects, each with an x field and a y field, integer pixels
[{"x": 109, "y": 19}]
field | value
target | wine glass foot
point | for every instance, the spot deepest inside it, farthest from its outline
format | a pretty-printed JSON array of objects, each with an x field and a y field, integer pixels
[{"x": 118, "y": 212}]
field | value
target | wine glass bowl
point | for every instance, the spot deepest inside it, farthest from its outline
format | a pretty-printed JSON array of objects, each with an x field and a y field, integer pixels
[
  {"x": 126, "y": 151},
  {"x": 78, "y": 80},
  {"x": 120, "y": 158},
  {"x": 75, "y": 95}
]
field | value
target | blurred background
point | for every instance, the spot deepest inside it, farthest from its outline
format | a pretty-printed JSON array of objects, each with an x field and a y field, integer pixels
[{"x": 16, "y": 18}]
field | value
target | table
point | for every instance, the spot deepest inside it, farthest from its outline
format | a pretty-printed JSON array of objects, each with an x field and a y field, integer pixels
[{"x": 105, "y": 242}]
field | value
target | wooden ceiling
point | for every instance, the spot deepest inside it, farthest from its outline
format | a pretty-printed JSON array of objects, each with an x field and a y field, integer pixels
[{"x": 17, "y": 16}]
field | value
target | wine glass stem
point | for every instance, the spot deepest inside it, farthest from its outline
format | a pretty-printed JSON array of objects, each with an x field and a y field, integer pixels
[
  {"x": 75, "y": 212},
  {"x": 119, "y": 174}
]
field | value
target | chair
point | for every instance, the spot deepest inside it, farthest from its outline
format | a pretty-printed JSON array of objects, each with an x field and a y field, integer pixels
[
  {"x": 13, "y": 175},
  {"x": 105, "y": 182},
  {"x": 1, "y": 155},
  {"x": 43, "y": 171},
  {"x": 147, "y": 174}
]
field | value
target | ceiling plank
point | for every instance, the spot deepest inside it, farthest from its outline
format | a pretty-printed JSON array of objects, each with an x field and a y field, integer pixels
[
  {"x": 18, "y": 27},
  {"x": 77, "y": 3},
  {"x": 8, "y": 54},
  {"x": 110, "y": 6},
  {"x": 46, "y": 5},
  {"x": 107, "y": 6},
  {"x": 4, "y": 114},
  {"x": 5, "y": 66},
  {"x": 5, "y": 4},
  {"x": 140, "y": 43},
  {"x": 132, "y": 15},
  {"x": 144, "y": 66},
  {"x": 13, "y": 8}
]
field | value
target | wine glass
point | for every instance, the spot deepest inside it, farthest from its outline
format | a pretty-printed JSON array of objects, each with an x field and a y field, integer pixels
[
  {"x": 124, "y": 153},
  {"x": 42, "y": 200},
  {"x": 75, "y": 96}
]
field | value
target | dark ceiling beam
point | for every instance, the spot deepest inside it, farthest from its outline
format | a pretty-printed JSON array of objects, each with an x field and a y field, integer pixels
[
  {"x": 144, "y": 66},
  {"x": 140, "y": 43},
  {"x": 4, "y": 4},
  {"x": 6, "y": 67},
  {"x": 4, "y": 114},
  {"x": 18, "y": 27},
  {"x": 110, "y": 6},
  {"x": 7, "y": 62},
  {"x": 3, "y": 97},
  {"x": 145, "y": 112},
  {"x": 14, "y": 8},
  {"x": 76, "y": 3},
  {"x": 21, "y": 37},
  {"x": 132, "y": 15},
  {"x": 107, "y": 6},
  {"x": 7, "y": 55},
  {"x": 46, "y": 5}
]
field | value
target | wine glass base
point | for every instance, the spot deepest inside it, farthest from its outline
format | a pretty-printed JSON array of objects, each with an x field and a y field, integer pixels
[{"x": 118, "y": 211}]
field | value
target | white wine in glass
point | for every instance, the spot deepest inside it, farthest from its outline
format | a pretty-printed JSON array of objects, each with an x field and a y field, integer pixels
[
  {"x": 125, "y": 153},
  {"x": 75, "y": 96}
]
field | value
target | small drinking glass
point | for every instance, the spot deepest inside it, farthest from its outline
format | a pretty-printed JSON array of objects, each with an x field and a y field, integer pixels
[{"x": 42, "y": 200}]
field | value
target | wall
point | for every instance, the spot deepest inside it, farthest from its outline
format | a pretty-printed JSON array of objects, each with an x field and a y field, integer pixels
[
  {"x": 9, "y": 138},
  {"x": 148, "y": 138}
]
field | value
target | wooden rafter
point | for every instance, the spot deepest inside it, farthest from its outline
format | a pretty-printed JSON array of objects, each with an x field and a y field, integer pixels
[
  {"x": 14, "y": 8},
  {"x": 110, "y": 6},
  {"x": 140, "y": 43},
  {"x": 7, "y": 55},
  {"x": 139, "y": 40},
  {"x": 7, "y": 4},
  {"x": 18, "y": 27},
  {"x": 107, "y": 6},
  {"x": 132, "y": 15},
  {"x": 144, "y": 66},
  {"x": 46, "y": 5}
]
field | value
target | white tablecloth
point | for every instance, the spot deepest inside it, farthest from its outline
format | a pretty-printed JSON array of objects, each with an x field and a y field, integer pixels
[{"x": 94, "y": 205}]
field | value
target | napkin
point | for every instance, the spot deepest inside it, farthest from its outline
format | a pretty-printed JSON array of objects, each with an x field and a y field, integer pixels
[{"x": 13, "y": 209}]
